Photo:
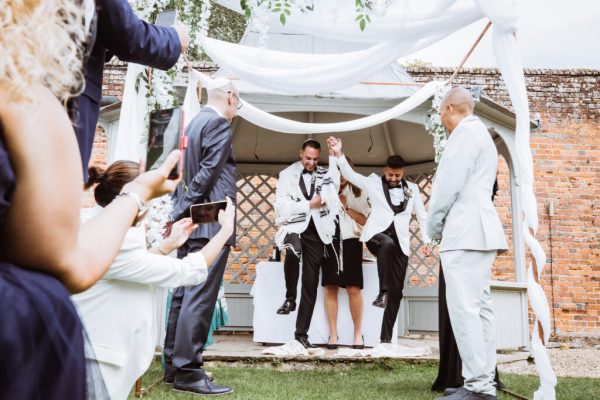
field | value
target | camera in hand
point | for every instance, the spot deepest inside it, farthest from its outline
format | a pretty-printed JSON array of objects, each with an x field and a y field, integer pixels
[
  {"x": 165, "y": 135},
  {"x": 207, "y": 213}
]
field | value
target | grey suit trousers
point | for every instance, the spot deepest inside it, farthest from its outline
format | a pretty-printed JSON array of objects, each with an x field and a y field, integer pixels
[{"x": 190, "y": 318}]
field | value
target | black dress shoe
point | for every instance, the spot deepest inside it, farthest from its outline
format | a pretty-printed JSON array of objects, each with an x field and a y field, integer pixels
[
  {"x": 169, "y": 380},
  {"x": 304, "y": 342},
  {"x": 360, "y": 346},
  {"x": 464, "y": 394},
  {"x": 288, "y": 306},
  {"x": 449, "y": 391},
  {"x": 381, "y": 300},
  {"x": 203, "y": 386}
]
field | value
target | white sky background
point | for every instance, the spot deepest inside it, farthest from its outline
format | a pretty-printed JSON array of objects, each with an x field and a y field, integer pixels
[{"x": 552, "y": 34}]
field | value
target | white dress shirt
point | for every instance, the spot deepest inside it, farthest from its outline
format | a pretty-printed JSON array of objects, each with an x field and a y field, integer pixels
[
  {"x": 382, "y": 215},
  {"x": 349, "y": 228},
  {"x": 118, "y": 311},
  {"x": 396, "y": 195}
]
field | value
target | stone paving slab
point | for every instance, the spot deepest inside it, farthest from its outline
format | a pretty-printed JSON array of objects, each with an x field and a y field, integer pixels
[{"x": 240, "y": 347}]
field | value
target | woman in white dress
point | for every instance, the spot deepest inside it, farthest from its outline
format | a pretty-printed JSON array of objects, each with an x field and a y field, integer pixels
[{"x": 118, "y": 311}]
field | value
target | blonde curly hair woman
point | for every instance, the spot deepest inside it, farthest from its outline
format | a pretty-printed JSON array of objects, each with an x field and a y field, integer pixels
[{"x": 44, "y": 252}]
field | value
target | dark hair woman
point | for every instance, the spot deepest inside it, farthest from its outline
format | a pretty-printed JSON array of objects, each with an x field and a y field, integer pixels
[{"x": 123, "y": 299}]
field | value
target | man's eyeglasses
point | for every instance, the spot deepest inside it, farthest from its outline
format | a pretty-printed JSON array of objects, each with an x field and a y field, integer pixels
[{"x": 238, "y": 102}]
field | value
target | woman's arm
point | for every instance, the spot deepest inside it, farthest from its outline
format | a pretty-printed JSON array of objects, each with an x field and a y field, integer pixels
[
  {"x": 135, "y": 264},
  {"x": 42, "y": 230},
  {"x": 360, "y": 219}
]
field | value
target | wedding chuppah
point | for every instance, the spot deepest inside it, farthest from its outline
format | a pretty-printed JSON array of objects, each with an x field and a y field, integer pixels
[{"x": 334, "y": 78}]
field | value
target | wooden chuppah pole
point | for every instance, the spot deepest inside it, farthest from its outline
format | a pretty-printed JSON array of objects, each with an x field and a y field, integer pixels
[{"x": 466, "y": 57}]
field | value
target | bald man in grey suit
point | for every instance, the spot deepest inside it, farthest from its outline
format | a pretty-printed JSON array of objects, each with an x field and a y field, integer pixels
[{"x": 462, "y": 215}]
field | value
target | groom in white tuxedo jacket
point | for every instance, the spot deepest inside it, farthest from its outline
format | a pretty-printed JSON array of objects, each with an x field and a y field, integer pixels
[
  {"x": 393, "y": 202},
  {"x": 462, "y": 215}
]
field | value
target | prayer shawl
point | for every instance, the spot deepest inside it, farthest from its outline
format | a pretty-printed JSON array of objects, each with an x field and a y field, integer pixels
[{"x": 292, "y": 210}]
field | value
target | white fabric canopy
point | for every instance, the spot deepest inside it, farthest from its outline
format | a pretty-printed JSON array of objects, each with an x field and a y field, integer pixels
[
  {"x": 395, "y": 35},
  {"x": 317, "y": 73}
]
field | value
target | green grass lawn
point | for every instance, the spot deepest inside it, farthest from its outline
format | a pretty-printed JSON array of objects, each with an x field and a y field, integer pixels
[{"x": 382, "y": 380}]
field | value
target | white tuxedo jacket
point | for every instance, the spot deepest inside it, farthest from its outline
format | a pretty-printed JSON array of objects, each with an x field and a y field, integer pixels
[
  {"x": 118, "y": 311},
  {"x": 292, "y": 210},
  {"x": 381, "y": 216},
  {"x": 461, "y": 212}
]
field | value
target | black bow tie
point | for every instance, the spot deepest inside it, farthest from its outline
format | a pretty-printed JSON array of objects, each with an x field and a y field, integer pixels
[
  {"x": 305, "y": 171},
  {"x": 395, "y": 188}
]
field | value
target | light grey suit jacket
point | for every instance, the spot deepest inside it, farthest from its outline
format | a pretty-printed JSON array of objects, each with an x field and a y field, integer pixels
[{"x": 461, "y": 212}]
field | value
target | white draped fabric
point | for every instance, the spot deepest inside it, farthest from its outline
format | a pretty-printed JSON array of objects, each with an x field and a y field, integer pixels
[
  {"x": 504, "y": 15},
  {"x": 393, "y": 36},
  {"x": 317, "y": 73},
  {"x": 191, "y": 103},
  {"x": 397, "y": 24},
  {"x": 131, "y": 120},
  {"x": 278, "y": 124}
]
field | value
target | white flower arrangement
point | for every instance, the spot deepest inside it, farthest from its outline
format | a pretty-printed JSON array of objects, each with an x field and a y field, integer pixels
[
  {"x": 408, "y": 193},
  {"x": 433, "y": 123},
  {"x": 159, "y": 213}
]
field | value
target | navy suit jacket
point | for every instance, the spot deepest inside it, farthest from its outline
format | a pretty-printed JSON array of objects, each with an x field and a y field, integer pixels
[
  {"x": 209, "y": 169},
  {"x": 119, "y": 32}
]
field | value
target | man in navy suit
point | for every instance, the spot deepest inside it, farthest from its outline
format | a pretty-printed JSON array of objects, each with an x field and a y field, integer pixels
[
  {"x": 118, "y": 31},
  {"x": 209, "y": 175}
]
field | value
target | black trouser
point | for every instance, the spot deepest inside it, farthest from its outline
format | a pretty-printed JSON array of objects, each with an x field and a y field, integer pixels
[
  {"x": 291, "y": 266},
  {"x": 190, "y": 318},
  {"x": 312, "y": 259},
  {"x": 391, "y": 266}
]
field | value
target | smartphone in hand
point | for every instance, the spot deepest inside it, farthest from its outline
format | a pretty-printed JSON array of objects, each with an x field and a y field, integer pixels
[
  {"x": 165, "y": 135},
  {"x": 207, "y": 213}
]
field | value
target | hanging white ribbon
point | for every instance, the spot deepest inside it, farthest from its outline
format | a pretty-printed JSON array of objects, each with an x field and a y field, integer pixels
[
  {"x": 131, "y": 119},
  {"x": 191, "y": 103},
  {"x": 279, "y": 124},
  {"x": 504, "y": 15}
]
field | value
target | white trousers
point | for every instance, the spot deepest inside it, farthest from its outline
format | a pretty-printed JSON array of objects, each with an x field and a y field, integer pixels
[{"x": 467, "y": 274}]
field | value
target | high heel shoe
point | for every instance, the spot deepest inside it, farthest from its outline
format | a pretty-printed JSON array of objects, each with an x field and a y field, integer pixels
[
  {"x": 359, "y": 346},
  {"x": 333, "y": 346}
]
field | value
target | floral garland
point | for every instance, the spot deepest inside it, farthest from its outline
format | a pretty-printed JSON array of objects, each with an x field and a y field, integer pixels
[
  {"x": 159, "y": 213},
  {"x": 433, "y": 123}
]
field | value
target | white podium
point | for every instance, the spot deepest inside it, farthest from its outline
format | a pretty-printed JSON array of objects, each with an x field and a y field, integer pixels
[{"x": 269, "y": 292}]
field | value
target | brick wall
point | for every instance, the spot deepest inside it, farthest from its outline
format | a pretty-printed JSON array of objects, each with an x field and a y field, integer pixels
[{"x": 566, "y": 154}]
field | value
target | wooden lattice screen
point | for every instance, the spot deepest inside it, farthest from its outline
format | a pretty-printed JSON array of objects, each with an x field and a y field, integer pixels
[
  {"x": 256, "y": 230},
  {"x": 255, "y": 226},
  {"x": 422, "y": 272}
]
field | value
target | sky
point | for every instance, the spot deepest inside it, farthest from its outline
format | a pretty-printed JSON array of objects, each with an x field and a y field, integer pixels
[{"x": 552, "y": 34}]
